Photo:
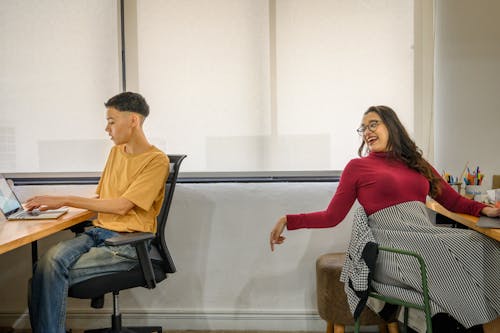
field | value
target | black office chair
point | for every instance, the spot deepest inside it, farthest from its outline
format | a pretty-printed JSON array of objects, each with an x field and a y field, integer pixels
[{"x": 153, "y": 265}]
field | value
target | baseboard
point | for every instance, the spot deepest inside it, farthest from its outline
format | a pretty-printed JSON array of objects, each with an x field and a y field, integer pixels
[
  {"x": 256, "y": 320},
  {"x": 187, "y": 320}
]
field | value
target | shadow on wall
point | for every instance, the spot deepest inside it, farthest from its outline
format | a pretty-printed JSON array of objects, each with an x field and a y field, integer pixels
[
  {"x": 189, "y": 232},
  {"x": 286, "y": 278},
  {"x": 258, "y": 279}
]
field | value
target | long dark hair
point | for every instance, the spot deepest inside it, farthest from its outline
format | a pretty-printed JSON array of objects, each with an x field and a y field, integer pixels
[{"x": 401, "y": 147}]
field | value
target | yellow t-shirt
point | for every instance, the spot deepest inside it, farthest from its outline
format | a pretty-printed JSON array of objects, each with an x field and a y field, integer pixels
[{"x": 139, "y": 178}]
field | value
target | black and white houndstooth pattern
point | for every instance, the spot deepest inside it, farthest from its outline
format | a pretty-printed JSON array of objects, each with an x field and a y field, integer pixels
[
  {"x": 463, "y": 266},
  {"x": 359, "y": 261}
]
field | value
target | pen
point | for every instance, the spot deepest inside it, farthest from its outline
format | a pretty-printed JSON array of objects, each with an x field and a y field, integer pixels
[{"x": 463, "y": 171}]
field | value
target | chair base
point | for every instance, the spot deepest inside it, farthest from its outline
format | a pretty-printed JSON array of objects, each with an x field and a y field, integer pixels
[
  {"x": 127, "y": 330},
  {"x": 116, "y": 323}
]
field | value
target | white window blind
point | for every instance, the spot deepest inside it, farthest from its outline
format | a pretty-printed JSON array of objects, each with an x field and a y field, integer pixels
[
  {"x": 58, "y": 64},
  {"x": 246, "y": 85},
  {"x": 271, "y": 85}
]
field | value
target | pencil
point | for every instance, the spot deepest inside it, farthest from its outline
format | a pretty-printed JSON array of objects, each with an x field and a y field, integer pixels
[{"x": 465, "y": 168}]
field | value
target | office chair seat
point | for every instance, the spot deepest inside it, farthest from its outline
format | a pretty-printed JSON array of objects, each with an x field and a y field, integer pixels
[{"x": 114, "y": 282}]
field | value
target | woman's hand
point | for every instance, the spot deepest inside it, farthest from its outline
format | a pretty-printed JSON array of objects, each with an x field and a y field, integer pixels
[
  {"x": 276, "y": 237},
  {"x": 44, "y": 202},
  {"x": 490, "y": 211}
]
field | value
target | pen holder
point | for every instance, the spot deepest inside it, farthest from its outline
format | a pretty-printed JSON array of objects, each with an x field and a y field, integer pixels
[
  {"x": 474, "y": 192},
  {"x": 494, "y": 197}
]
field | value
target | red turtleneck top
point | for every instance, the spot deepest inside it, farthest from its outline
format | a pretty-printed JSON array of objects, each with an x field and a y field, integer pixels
[{"x": 379, "y": 182}]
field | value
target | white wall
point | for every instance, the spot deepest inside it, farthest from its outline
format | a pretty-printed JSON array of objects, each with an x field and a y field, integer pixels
[
  {"x": 227, "y": 276},
  {"x": 467, "y": 79}
]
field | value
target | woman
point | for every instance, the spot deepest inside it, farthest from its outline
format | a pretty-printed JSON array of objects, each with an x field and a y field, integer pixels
[{"x": 391, "y": 183}]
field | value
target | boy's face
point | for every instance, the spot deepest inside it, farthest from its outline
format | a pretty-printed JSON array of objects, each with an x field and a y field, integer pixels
[{"x": 119, "y": 125}]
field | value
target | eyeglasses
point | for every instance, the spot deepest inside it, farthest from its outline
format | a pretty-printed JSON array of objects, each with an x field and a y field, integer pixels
[{"x": 372, "y": 126}]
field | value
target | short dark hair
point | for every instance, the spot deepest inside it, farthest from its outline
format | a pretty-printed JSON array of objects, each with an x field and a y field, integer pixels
[{"x": 129, "y": 101}]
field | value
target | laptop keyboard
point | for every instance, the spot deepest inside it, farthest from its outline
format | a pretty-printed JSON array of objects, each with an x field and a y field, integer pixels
[{"x": 24, "y": 213}]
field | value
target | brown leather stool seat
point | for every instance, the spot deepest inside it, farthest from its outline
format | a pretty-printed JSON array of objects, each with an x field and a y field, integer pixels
[{"x": 332, "y": 300}]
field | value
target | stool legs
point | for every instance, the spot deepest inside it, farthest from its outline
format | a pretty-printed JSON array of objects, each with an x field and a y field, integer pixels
[
  {"x": 393, "y": 327},
  {"x": 329, "y": 327},
  {"x": 334, "y": 328},
  {"x": 338, "y": 328},
  {"x": 383, "y": 328},
  {"x": 389, "y": 328}
]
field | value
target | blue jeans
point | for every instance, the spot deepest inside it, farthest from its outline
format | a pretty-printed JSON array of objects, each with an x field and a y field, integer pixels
[{"x": 67, "y": 263}]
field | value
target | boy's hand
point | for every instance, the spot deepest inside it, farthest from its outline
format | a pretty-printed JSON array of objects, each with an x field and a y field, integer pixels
[{"x": 44, "y": 202}]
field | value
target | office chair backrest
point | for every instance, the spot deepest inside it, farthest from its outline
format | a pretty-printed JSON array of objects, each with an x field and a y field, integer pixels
[{"x": 160, "y": 242}]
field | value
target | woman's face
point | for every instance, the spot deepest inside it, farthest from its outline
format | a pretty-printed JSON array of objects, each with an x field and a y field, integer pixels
[{"x": 375, "y": 133}]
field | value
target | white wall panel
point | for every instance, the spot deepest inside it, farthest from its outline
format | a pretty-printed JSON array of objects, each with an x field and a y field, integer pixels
[
  {"x": 227, "y": 276},
  {"x": 467, "y": 85}
]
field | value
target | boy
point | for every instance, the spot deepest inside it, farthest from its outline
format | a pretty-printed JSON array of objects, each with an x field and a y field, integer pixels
[{"x": 129, "y": 198}]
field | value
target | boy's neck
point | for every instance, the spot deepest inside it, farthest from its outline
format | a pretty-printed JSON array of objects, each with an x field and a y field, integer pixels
[{"x": 138, "y": 144}]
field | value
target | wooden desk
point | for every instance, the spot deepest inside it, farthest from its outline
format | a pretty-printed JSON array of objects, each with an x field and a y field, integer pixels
[
  {"x": 14, "y": 234},
  {"x": 467, "y": 220}
]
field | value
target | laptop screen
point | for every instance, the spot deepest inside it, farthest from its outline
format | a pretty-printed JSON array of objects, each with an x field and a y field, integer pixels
[{"x": 8, "y": 200}]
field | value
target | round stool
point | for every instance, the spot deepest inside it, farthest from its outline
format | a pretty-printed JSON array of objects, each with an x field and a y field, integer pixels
[{"x": 332, "y": 300}]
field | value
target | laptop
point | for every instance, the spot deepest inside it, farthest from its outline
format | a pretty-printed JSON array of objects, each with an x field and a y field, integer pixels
[{"x": 12, "y": 208}]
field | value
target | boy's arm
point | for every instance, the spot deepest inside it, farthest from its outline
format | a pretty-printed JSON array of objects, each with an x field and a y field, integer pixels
[{"x": 119, "y": 206}]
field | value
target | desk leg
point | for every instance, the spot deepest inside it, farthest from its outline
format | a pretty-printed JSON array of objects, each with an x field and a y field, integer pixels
[{"x": 34, "y": 252}]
